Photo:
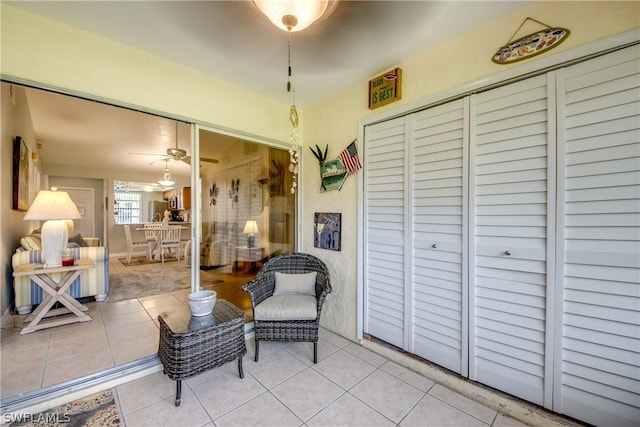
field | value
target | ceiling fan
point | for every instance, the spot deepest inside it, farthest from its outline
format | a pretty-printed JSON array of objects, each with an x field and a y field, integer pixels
[{"x": 175, "y": 153}]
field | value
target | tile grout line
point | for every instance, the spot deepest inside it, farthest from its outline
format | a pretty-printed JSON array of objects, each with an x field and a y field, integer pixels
[
  {"x": 348, "y": 391},
  {"x": 344, "y": 391}
]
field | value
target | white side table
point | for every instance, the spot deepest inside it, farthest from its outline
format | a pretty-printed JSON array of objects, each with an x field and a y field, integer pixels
[{"x": 55, "y": 292}]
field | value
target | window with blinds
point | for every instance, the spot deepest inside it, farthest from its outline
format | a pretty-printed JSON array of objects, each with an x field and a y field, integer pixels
[{"x": 127, "y": 208}]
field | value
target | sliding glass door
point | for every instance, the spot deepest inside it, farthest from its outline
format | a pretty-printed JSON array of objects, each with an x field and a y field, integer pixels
[{"x": 247, "y": 209}]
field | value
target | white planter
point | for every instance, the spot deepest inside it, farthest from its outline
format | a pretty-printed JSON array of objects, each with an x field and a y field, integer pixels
[{"x": 201, "y": 303}]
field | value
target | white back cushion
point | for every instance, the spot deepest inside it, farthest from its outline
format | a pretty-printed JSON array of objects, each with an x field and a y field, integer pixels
[{"x": 295, "y": 284}]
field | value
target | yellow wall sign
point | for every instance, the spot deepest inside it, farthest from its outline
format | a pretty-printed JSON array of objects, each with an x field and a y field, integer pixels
[{"x": 385, "y": 88}]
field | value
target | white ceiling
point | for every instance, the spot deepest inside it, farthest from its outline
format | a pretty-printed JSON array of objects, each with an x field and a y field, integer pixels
[{"x": 232, "y": 41}]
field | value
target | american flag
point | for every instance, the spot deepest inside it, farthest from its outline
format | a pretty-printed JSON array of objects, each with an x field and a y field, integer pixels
[{"x": 349, "y": 157}]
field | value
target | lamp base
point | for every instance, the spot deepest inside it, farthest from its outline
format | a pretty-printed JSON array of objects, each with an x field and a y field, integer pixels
[
  {"x": 251, "y": 241},
  {"x": 54, "y": 239}
]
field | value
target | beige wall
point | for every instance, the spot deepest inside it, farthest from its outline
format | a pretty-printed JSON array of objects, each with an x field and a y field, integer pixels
[
  {"x": 462, "y": 61},
  {"x": 16, "y": 120},
  {"x": 60, "y": 56}
]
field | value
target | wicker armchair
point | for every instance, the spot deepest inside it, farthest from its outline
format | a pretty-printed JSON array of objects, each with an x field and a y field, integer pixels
[{"x": 262, "y": 287}]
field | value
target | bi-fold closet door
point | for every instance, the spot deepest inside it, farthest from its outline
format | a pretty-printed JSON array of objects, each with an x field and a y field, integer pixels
[
  {"x": 597, "y": 340},
  {"x": 480, "y": 259},
  {"x": 479, "y": 312},
  {"x": 512, "y": 200},
  {"x": 415, "y": 215}
]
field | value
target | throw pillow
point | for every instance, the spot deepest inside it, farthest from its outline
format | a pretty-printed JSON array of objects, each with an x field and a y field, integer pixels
[
  {"x": 295, "y": 284},
  {"x": 31, "y": 243},
  {"x": 77, "y": 239}
]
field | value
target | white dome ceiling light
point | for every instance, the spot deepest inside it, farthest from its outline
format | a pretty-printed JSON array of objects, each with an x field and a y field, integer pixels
[{"x": 295, "y": 15}]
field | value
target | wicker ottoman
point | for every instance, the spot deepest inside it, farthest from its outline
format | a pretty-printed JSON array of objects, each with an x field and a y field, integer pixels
[{"x": 191, "y": 345}]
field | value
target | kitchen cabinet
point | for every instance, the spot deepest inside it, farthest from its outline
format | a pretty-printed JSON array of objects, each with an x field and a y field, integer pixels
[
  {"x": 182, "y": 195},
  {"x": 184, "y": 199}
]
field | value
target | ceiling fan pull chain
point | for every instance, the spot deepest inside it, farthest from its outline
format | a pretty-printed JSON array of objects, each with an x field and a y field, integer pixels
[{"x": 289, "y": 63}]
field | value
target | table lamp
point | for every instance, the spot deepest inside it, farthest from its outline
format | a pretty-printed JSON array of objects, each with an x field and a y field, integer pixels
[
  {"x": 251, "y": 228},
  {"x": 54, "y": 207}
]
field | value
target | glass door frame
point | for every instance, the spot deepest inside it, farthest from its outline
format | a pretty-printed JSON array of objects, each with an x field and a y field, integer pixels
[{"x": 196, "y": 193}]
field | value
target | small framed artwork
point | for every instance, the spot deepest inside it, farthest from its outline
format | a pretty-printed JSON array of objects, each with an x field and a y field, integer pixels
[
  {"x": 20, "y": 175},
  {"x": 327, "y": 230}
]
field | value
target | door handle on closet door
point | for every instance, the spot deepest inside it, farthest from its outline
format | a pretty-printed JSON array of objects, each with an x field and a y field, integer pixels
[{"x": 507, "y": 253}]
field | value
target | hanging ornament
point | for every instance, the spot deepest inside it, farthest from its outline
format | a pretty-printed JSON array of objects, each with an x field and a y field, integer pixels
[
  {"x": 293, "y": 151},
  {"x": 294, "y": 120}
]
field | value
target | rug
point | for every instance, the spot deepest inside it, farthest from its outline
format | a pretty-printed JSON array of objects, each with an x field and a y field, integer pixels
[
  {"x": 99, "y": 409},
  {"x": 144, "y": 281},
  {"x": 142, "y": 260}
]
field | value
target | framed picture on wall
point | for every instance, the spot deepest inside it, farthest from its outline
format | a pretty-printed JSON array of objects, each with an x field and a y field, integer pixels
[
  {"x": 327, "y": 230},
  {"x": 20, "y": 175}
]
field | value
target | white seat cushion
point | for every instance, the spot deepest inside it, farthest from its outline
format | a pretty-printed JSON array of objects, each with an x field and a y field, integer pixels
[{"x": 287, "y": 307}]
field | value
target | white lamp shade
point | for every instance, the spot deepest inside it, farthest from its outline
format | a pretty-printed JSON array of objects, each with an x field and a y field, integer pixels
[
  {"x": 305, "y": 11},
  {"x": 52, "y": 205},
  {"x": 57, "y": 208},
  {"x": 250, "y": 227}
]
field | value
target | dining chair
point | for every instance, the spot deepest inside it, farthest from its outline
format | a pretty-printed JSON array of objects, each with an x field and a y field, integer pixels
[
  {"x": 150, "y": 229},
  {"x": 133, "y": 244},
  {"x": 152, "y": 234},
  {"x": 169, "y": 239}
]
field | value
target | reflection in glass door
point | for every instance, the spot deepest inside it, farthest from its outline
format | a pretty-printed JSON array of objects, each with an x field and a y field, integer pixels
[{"x": 248, "y": 209}]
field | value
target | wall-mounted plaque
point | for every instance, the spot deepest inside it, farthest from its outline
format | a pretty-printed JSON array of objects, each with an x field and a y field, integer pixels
[
  {"x": 530, "y": 45},
  {"x": 333, "y": 174},
  {"x": 385, "y": 88}
]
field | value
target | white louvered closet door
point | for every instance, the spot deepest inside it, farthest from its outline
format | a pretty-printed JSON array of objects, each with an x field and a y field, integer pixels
[
  {"x": 510, "y": 184},
  {"x": 385, "y": 218},
  {"x": 598, "y": 343},
  {"x": 438, "y": 182}
]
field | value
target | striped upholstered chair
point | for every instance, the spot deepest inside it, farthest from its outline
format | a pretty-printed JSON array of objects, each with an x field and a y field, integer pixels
[{"x": 287, "y": 297}]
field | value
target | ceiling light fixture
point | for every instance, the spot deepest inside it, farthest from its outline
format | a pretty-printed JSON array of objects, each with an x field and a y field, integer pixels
[
  {"x": 166, "y": 178},
  {"x": 295, "y": 15}
]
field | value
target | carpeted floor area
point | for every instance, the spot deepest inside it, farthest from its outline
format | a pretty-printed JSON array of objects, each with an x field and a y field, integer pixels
[
  {"x": 157, "y": 278},
  {"x": 147, "y": 280},
  {"x": 99, "y": 409}
]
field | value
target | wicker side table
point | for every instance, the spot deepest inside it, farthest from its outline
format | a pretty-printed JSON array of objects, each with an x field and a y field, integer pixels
[{"x": 191, "y": 345}]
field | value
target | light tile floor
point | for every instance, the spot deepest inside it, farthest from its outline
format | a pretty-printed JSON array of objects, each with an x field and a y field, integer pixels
[
  {"x": 349, "y": 386},
  {"x": 120, "y": 332}
]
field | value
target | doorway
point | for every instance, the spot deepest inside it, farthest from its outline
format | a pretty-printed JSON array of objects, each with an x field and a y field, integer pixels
[
  {"x": 111, "y": 348},
  {"x": 84, "y": 200}
]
